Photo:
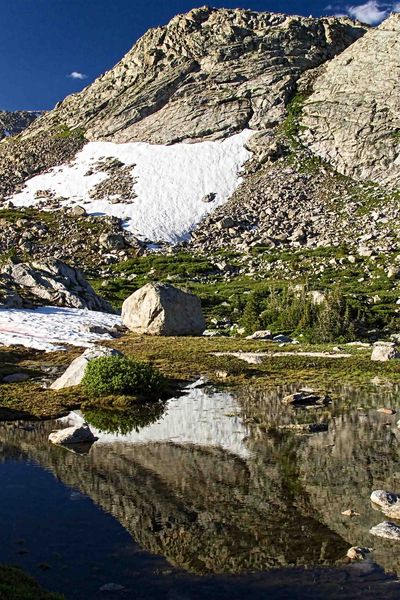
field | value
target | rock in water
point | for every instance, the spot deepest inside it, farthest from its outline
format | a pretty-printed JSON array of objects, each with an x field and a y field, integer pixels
[
  {"x": 357, "y": 553},
  {"x": 76, "y": 370},
  {"x": 78, "y": 434},
  {"x": 52, "y": 282},
  {"x": 161, "y": 309},
  {"x": 387, "y": 530},
  {"x": 389, "y": 503}
]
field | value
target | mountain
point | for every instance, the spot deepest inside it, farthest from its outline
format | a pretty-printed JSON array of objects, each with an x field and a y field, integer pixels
[
  {"x": 171, "y": 133},
  {"x": 13, "y": 122}
]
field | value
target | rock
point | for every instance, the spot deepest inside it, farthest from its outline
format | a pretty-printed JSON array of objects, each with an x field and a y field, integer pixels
[
  {"x": 384, "y": 351},
  {"x": 317, "y": 297},
  {"x": 352, "y": 117},
  {"x": 15, "y": 378},
  {"x": 282, "y": 339},
  {"x": 76, "y": 370},
  {"x": 358, "y": 553},
  {"x": 209, "y": 198},
  {"x": 161, "y": 309},
  {"x": 387, "y": 530},
  {"x": 388, "y": 502},
  {"x": 52, "y": 282},
  {"x": 304, "y": 427},
  {"x": 305, "y": 397},
  {"x": 386, "y": 411},
  {"x": 78, "y": 434},
  {"x": 350, "y": 513},
  {"x": 260, "y": 335},
  {"x": 111, "y": 587},
  {"x": 112, "y": 241},
  {"x": 78, "y": 211}
]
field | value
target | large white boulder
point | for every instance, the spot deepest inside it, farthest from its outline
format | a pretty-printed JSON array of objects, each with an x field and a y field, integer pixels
[
  {"x": 78, "y": 434},
  {"x": 161, "y": 309},
  {"x": 76, "y": 370},
  {"x": 384, "y": 351}
]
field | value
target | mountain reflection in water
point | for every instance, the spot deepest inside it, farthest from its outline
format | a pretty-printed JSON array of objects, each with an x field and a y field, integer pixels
[{"x": 214, "y": 487}]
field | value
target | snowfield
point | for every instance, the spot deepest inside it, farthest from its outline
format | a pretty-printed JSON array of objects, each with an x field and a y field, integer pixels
[
  {"x": 49, "y": 328},
  {"x": 171, "y": 182}
]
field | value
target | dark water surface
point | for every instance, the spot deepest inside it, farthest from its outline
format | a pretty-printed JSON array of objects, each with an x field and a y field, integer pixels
[{"x": 209, "y": 499}]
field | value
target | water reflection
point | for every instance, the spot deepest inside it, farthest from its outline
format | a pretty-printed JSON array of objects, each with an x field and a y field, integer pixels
[{"x": 215, "y": 487}]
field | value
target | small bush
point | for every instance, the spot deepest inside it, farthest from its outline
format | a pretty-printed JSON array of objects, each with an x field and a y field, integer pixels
[{"x": 111, "y": 375}]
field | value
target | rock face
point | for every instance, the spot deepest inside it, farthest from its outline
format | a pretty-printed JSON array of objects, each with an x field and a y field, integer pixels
[
  {"x": 207, "y": 74},
  {"x": 72, "y": 435},
  {"x": 12, "y": 123},
  {"x": 76, "y": 370},
  {"x": 49, "y": 282},
  {"x": 160, "y": 309},
  {"x": 352, "y": 119}
]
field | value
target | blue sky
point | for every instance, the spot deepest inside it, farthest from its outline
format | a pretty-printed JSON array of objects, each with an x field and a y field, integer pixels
[{"x": 52, "y": 48}]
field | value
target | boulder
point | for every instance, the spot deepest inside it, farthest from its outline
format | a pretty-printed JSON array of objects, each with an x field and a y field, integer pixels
[
  {"x": 383, "y": 351},
  {"x": 78, "y": 434},
  {"x": 15, "y": 378},
  {"x": 358, "y": 553},
  {"x": 161, "y": 309},
  {"x": 306, "y": 397},
  {"x": 51, "y": 282},
  {"x": 76, "y": 370}
]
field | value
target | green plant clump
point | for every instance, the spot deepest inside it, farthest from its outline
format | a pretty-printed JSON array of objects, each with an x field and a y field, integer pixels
[{"x": 110, "y": 375}]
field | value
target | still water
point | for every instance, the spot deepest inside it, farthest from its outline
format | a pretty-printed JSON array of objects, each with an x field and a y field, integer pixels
[{"x": 205, "y": 497}]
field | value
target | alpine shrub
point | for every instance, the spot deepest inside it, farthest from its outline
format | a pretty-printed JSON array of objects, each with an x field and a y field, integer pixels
[{"x": 109, "y": 375}]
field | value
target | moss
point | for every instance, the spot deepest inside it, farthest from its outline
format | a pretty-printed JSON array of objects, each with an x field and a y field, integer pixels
[
  {"x": 64, "y": 131},
  {"x": 17, "y": 585}
]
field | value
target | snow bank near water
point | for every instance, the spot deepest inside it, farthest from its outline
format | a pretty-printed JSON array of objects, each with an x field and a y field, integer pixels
[
  {"x": 171, "y": 182},
  {"x": 48, "y": 328}
]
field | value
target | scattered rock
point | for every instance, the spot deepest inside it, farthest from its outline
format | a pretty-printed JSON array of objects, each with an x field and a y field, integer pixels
[
  {"x": 350, "y": 513},
  {"x": 161, "y": 309},
  {"x": 260, "y": 335}
]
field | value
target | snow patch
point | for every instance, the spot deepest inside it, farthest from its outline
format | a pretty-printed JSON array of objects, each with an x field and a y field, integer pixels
[
  {"x": 49, "y": 328},
  {"x": 170, "y": 183}
]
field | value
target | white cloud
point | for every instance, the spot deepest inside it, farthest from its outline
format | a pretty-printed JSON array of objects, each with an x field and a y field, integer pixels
[
  {"x": 372, "y": 11},
  {"x": 77, "y": 75}
]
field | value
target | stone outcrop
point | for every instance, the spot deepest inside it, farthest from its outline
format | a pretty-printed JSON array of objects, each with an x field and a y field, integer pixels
[
  {"x": 352, "y": 118},
  {"x": 76, "y": 370},
  {"x": 205, "y": 75},
  {"x": 50, "y": 282},
  {"x": 161, "y": 309},
  {"x": 383, "y": 351}
]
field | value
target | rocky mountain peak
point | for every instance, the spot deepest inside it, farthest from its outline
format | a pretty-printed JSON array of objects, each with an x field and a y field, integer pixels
[
  {"x": 13, "y": 122},
  {"x": 206, "y": 75}
]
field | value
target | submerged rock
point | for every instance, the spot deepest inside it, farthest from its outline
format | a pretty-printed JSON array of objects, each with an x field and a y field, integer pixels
[
  {"x": 358, "y": 553},
  {"x": 161, "y": 309},
  {"x": 387, "y": 530},
  {"x": 78, "y": 434},
  {"x": 76, "y": 370},
  {"x": 388, "y": 502},
  {"x": 306, "y": 397}
]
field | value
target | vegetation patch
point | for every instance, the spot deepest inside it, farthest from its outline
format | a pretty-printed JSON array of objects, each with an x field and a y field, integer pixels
[
  {"x": 114, "y": 375},
  {"x": 17, "y": 585}
]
